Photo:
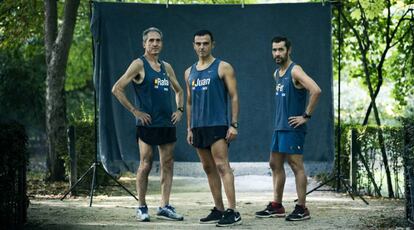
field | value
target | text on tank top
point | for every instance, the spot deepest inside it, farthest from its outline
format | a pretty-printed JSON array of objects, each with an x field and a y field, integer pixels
[
  {"x": 289, "y": 101},
  {"x": 153, "y": 96},
  {"x": 209, "y": 97}
]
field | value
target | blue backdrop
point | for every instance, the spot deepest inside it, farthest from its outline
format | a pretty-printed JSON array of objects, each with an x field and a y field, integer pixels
[{"x": 243, "y": 38}]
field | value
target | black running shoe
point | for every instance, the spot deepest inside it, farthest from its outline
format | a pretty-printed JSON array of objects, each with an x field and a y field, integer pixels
[
  {"x": 273, "y": 209},
  {"x": 300, "y": 213},
  {"x": 230, "y": 218},
  {"x": 212, "y": 218}
]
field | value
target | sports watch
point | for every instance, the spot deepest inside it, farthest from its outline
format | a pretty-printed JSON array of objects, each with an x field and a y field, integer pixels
[{"x": 307, "y": 116}]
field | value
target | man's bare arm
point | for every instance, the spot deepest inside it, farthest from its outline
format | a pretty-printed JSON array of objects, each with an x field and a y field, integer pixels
[
  {"x": 303, "y": 80},
  {"x": 188, "y": 107},
  {"x": 179, "y": 95},
  {"x": 226, "y": 71},
  {"x": 118, "y": 90},
  {"x": 309, "y": 84}
]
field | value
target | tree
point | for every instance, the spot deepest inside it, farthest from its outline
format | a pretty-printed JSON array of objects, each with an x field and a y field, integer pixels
[
  {"x": 22, "y": 67},
  {"x": 57, "y": 45},
  {"x": 17, "y": 75},
  {"x": 79, "y": 84},
  {"x": 376, "y": 28}
]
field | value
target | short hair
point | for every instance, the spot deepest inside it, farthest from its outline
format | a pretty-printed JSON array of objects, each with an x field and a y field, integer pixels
[
  {"x": 151, "y": 29},
  {"x": 278, "y": 39},
  {"x": 204, "y": 32}
]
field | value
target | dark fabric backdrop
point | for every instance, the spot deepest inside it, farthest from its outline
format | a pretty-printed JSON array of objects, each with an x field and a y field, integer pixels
[{"x": 242, "y": 38}]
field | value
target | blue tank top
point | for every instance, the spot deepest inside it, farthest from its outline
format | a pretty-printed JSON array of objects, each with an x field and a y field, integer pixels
[
  {"x": 289, "y": 101},
  {"x": 153, "y": 96},
  {"x": 208, "y": 97}
]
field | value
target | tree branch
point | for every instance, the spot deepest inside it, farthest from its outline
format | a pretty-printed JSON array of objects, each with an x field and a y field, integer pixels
[
  {"x": 50, "y": 27},
  {"x": 387, "y": 36},
  {"x": 365, "y": 63},
  {"x": 365, "y": 25},
  {"x": 399, "y": 23},
  {"x": 65, "y": 35},
  {"x": 360, "y": 43},
  {"x": 400, "y": 39}
]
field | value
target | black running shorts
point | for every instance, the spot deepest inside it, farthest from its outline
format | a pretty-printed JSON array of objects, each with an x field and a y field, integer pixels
[
  {"x": 204, "y": 137},
  {"x": 156, "y": 135}
]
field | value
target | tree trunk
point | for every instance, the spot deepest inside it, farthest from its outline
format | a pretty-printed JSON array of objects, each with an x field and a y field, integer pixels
[
  {"x": 368, "y": 112},
  {"x": 364, "y": 39},
  {"x": 373, "y": 96},
  {"x": 378, "y": 121},
  {"x": 57, "y": 45}
]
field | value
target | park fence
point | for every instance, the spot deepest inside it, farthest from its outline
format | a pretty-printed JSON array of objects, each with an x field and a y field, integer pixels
[
  {"x": 409, "y": 169},
  {"x": 13, "y": 161}
]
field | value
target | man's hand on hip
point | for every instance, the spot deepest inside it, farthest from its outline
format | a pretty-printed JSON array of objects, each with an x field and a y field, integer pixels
[
  {"x": 297, "y": 121},
  {"x": 145, "y": 118}
]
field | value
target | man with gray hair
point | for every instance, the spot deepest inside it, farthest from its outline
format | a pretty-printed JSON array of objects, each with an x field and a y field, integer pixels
[{"x": 153, "y": 80}]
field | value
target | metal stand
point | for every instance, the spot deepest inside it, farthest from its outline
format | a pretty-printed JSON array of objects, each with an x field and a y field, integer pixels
[
  {"x": 95, "y": 165},
  {"x": 338, "y": 177},
  {"x": 93, "y": 169}
]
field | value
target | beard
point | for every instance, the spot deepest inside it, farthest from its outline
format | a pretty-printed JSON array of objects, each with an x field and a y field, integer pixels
[{"x": 280, "y": 60}]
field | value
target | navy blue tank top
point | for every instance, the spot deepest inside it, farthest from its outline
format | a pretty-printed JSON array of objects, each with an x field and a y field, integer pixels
[
  {"x": 208, "y": 97},
  {"x": 153, "y": 96},
  {"x": 289, "y": 101}
]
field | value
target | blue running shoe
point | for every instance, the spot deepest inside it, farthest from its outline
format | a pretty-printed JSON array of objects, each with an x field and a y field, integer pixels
[
  {"x": 142, "y": 214},
  {"x": 168, "y": 213}
]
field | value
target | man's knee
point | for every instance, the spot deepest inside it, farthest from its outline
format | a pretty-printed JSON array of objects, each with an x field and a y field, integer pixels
[
  {"x": 297, "y": 167},
  {"x": 145, "y": 166},
  {"x": 223, "y": 168},
  {"x": 272, "y": 165},
  {"x": 167, "y": 158},
  {"x": 276, "y": 166},
  {"x": 209, "y": 168},
  {"x": 167, "y": 163}
]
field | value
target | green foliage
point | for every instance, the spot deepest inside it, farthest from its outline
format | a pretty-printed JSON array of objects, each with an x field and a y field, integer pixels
[
  {"x": 80, "y": 106},
  {"x": 22, "y": 88},
  {"x": 22, "y": 63},
  {"x": 79, "y": 69},
  {"x": 85, "y": 147},
  {"x": 79, "y": 84},
  {"x": 21, "y": 24},
  {"x": 367, "y": 137},
  {"x": 394, "y": 142},
  {"x": 379, "y": 36},
  {"x": 345, "y": 148},
  {"x": 85, "y": 152}
]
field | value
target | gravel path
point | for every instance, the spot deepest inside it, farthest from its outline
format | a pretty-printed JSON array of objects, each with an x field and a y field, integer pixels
[{"x": 191, "y": 197}]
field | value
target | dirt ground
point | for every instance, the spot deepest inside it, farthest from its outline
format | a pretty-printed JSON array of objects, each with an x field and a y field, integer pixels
[{"x": 191, "y": 198}]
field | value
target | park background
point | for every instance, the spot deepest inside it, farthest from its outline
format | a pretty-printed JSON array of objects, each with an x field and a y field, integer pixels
[{"x": 46, "y": 85}]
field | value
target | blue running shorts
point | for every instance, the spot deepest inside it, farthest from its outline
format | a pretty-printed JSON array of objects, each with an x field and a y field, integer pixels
[{"x": 288, "y": 142}]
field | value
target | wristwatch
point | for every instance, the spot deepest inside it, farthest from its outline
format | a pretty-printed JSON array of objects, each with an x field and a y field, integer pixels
[
  {"x": 181, "y": 109},
  {"x": 235, "y": 124},
  {"x": 307, "y": 116}
]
